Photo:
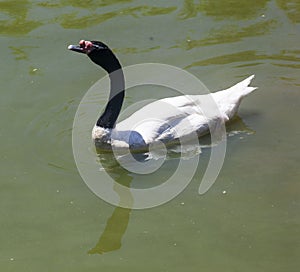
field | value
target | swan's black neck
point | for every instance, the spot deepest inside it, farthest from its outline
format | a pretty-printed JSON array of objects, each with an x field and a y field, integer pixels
[
  {"x": 110, "y": 115},
  {"x": 108, "y": 61}
]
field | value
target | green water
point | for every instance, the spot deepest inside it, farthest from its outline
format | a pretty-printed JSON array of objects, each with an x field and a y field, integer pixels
[{"x": 51, "y": 221}]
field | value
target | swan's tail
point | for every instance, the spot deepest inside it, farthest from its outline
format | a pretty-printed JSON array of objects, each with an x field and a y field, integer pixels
[
  {"x": 242, "y": 88},
  {"x": 230, "y": 99}
]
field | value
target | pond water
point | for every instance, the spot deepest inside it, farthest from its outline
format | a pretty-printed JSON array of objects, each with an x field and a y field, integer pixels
[{"x": 247, "y": 221}]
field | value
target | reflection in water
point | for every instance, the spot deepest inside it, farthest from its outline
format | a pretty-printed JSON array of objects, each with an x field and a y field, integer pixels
[
  {"x": 111, "y": 238},
  {"x": 135, "y": 50},
  {"x": 249, "y": 56},
  {"x": 229, "y": 34},
  {"x": 71, "y": 20},
  {"x": 116, "y": 225},
  {"x": 92, "y": 4},
  {"x": 237, "y": 126},
  {"x": 292, "y": 9},
  {"x": 19, "y": 52},
  {"x": 18, "y": 24},
  {"x": 234, "y": 9},
  {"x": 189, "y": 10},
  {"x": 289, "y": 65},
  {"x": 77, "y": 17}
]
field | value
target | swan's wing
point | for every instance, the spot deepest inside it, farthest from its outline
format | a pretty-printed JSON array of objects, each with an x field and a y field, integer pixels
[{"x": 167, "y": 119}]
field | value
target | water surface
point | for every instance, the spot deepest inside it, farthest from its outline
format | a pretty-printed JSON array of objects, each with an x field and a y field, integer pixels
[{"x": 51, "y": 221}]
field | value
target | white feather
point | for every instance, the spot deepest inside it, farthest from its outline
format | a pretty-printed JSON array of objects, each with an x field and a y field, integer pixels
[{"x": 174, "y": 118}]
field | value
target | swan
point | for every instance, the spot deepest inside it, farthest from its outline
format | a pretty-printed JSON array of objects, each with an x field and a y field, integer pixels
[{"x": 165, "y": 120}]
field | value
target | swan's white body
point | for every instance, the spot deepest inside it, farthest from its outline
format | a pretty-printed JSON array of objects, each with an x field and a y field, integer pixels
[{"x": 174, "y": 118}]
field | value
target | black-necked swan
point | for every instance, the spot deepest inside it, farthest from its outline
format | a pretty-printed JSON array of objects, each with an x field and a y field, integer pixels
[{"x": 165, "y": 120}]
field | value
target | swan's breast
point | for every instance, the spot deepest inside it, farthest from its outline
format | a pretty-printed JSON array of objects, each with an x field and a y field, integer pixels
[{"x": 100, "y": 134}]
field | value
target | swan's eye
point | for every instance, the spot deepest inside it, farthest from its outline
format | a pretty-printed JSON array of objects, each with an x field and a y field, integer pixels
[{"x": 88, "y": 45}]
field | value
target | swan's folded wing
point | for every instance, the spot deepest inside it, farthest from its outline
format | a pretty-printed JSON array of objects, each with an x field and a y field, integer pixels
[{"x": 168, "y": 119}]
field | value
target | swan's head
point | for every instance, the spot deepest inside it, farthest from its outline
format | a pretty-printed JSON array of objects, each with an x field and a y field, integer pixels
[
  {"x": 87, "y": 47},
  {"x": 99, "y": 53}
]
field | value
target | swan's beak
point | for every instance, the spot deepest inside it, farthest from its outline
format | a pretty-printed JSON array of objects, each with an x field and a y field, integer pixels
[{"x": 76, "y": 48}]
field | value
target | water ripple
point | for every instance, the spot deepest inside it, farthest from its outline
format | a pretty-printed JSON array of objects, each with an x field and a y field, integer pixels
[{"x": 249, "y": 56}]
